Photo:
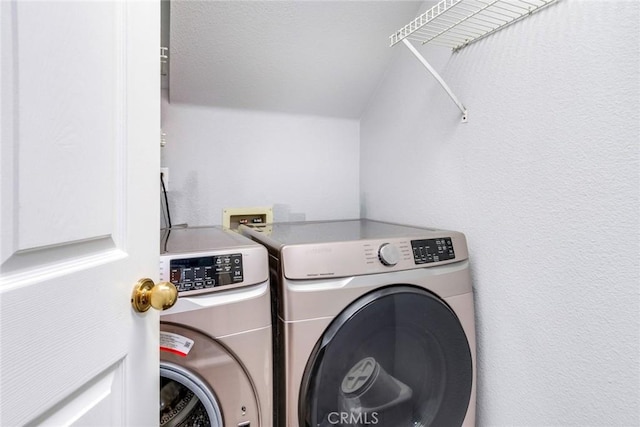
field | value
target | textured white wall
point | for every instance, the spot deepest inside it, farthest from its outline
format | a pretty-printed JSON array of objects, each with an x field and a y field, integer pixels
[
  {"x": 304, "y": 166},
  {"x": 544, "y": 181}
]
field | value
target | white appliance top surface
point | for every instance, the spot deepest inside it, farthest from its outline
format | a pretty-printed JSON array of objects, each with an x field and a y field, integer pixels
[
  {"x": 312, "y": 232},
  {"x": 201, "y": 239}
]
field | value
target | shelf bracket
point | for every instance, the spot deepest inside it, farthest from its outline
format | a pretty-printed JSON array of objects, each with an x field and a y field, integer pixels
[{"x": 435, "y": 74}]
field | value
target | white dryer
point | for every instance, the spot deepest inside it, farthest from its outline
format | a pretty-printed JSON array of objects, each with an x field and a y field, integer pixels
[
  {"x": 375, "y": 324},
  {"x": 215, "y": 342}
]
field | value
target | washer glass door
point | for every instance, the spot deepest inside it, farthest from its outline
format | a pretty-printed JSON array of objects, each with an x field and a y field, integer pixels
[
  {"x": 396, "y": 357},
  {"x": 185, "y": 400}
]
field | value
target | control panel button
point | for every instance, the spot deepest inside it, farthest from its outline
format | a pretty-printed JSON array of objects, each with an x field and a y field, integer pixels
[{"x": 388, "y": 254}]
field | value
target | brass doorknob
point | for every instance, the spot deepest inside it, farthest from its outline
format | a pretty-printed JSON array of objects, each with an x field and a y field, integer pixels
[{"x": 147, "y": 294}]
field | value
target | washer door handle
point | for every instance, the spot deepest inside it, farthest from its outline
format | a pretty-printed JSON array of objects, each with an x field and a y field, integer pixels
[{"x": 147, "y": 294}]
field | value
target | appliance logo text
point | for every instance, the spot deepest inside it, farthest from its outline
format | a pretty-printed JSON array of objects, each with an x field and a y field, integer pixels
[{"x": 355, "y": 418}]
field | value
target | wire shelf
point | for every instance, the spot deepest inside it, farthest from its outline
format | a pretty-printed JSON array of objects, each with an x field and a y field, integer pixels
[{"x": 457, "y": 23}]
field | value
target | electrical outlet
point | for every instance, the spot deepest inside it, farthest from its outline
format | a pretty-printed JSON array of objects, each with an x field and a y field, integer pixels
[{"x": 165, "y": 177}]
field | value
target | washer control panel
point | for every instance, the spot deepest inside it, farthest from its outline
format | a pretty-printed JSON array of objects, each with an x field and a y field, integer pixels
[
  {"x": 432, "y": 250},
  {"x": 205, "y": 272}
]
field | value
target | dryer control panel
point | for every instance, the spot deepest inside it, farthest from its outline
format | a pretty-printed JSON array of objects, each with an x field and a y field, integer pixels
[
  {"x": 205, "y": 272},
  {"x": 432, "y": 250}
]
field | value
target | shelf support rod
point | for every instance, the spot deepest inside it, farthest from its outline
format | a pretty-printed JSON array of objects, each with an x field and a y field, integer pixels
[{"x": 435, "y": 74}]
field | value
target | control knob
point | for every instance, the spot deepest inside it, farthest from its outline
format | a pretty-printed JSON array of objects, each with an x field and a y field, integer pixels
[{"x": 388, "y": 254}]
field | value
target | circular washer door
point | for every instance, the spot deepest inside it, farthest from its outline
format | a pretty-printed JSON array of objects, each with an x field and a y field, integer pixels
[
  {"x": 395, "y": 357},
  {"x": 185, "y": 400},
  {"x": 193, "y": 362}
]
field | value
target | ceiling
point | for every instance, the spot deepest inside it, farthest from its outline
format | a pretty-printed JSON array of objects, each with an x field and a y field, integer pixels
[{"x": 321, "y": 58}]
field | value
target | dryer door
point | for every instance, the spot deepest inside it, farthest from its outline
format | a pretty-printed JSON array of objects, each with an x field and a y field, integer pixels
[{"x": 396, "y": 357}]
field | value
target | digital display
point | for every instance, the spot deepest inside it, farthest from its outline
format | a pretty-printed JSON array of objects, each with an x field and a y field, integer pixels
[
  {"x": 190, "y": 274},
  {"x": 432, "y": 250}
]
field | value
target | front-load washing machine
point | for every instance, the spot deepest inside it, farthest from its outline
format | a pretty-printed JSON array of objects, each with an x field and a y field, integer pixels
[
  {"x": 215, "y": 342},
  {"x": 375, "y": 324}
]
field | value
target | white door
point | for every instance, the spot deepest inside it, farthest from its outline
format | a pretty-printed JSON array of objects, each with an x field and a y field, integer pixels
[{"x": 79, "y": 159}]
